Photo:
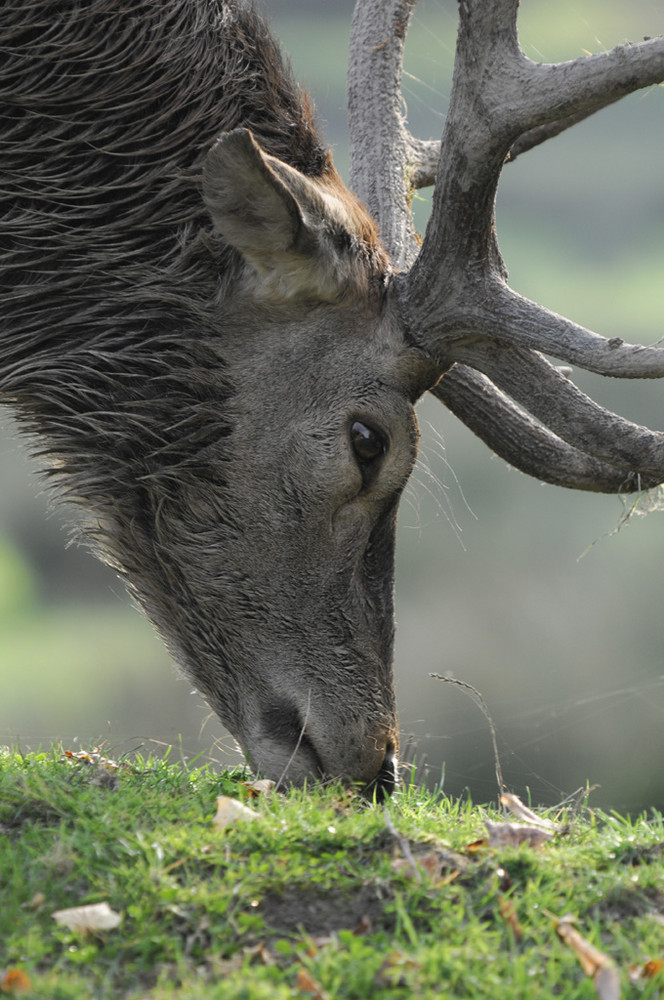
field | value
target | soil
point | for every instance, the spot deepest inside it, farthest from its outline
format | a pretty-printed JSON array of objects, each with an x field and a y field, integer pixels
[{"x": 319, "y": 913}]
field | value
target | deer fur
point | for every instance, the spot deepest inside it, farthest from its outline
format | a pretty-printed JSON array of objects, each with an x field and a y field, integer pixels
[{"x": 194, "y": 314}]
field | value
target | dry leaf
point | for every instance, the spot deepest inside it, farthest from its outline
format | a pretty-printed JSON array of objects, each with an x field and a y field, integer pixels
[
  {"x": 594, "y": 962},
  {"x": 314, "y": 944},
  {"x": 363, "y": 926},
  {"x": 513, "y": 834},
  {"x": 522, "y": 812},
  {"x": 591, "y": 958},
  {"x": 477, "y": 845},
  {"x": 216, "y": 968},
  {"x": 262, "y": 786},
  {"x": 37, "y": 900},
  {"x": 508, "y": 913},
  {"x": 637, "y": 973},
  {"x": 405, "y": 865},
  {"x": 259, "y": 953},
  {"x": 432, "y": 864},
  {"x": 307, "y": 984},
  {"x": 230, "y": 811},
  {"x": 394, "y": 971},
  {"x": 15, "y": 981},
  {"x": 88, "y": 919},
  {"x": 94, "y": 758}
]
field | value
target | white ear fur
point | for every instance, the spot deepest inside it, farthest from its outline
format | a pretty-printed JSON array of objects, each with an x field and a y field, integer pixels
[{"x": 297, "y": 235}]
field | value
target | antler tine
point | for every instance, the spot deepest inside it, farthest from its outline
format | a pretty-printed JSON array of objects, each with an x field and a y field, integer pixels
[
  {"x": 499, "y": 95},
  {"x": 581, "y": 86},
  {"x": 553, "y": 399},
  {"x": 379, "y": 139},
  {"x": 524, "y": 442},
  {"x": 493, "y": 310},
  {"x": 424, "y": 154},
  {"x": 517, "y": 319},
  {"x": 459, "y": 237},
  {"x": 585, "y": 85}
]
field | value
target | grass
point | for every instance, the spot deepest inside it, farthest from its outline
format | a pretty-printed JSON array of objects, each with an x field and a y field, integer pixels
[{"x": 322, "y": 895}]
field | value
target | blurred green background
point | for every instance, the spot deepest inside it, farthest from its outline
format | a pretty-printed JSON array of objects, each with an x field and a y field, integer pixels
[{"x": 526, "y": 591}]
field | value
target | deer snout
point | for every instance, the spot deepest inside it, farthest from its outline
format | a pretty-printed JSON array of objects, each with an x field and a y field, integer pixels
[{"x": 292, "y": 749}]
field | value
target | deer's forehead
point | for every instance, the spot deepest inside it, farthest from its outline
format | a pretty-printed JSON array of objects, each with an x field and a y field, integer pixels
[
  {"x": 328, "y": 388},
  {"x": 334, "y": 346}
]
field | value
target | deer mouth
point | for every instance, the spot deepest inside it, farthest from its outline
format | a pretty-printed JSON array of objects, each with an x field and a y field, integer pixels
[{"x": 288, "y": 754}]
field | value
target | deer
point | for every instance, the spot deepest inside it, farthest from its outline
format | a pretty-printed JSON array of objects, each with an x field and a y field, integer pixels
[{"x": 216, "y": 346}]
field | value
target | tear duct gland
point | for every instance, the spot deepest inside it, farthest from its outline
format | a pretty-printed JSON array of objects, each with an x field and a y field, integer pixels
[{"x": 207, "y": 339}]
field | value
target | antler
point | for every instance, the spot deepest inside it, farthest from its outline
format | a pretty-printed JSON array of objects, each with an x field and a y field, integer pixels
[
  {"x": 454, "y": 298},
  {"x": 379, "y": 140}
]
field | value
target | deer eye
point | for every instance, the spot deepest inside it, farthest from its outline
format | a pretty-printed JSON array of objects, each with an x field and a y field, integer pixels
[{"x": 367, "y": 443}]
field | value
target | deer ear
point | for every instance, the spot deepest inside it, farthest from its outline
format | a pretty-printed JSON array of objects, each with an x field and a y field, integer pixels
[{"x": 295, "y": 232}]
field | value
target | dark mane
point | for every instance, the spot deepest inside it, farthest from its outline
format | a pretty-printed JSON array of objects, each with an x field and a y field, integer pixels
[
  {"x": 107, "y": 111},
  {"x": 109, "y": 344}
]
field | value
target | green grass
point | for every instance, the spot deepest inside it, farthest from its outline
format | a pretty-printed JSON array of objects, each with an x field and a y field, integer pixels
[{"x": 305, "y": 900}]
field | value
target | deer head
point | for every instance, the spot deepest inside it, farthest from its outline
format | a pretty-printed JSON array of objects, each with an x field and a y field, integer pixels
[{"x": 324, "y": 438}]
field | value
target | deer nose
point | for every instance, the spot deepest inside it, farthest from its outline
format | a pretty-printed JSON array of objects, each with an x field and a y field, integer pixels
[{"x": 382, "y": 786}]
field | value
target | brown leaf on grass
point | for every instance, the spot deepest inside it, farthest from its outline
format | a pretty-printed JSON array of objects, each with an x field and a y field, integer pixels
[
  {"x": 394, "y": 969},
  {"x": 104, "y": 771},
  {"x": 522, "y": 812},
  {"x": 508, "y": 913},
  {"x": 514, "y": 834},
  {"x": 596, "y": 965},
  {"x": 637, "y": 973},
  {"x": 307, "y": 984},
  {"x": 262, "y": 786},
  {"x": 37, "y": 900},
  {"x": 477, "y": 845},
  {"x": 231, "y": 811},
  {"x": 434, "y": 864},
  {"x": 404, "y": 866},
  {"x": 88, "y": 919},
  {"x": 215, "y": 968},
  {"x": 15, "y": 981},
  {"x": 318, "y": 942},
  {"x": 94, "y": 759},
  {"x": 363, "y": 926},
  {"x": 435, "y": 867},
  {"x": 259, "y": 953}
]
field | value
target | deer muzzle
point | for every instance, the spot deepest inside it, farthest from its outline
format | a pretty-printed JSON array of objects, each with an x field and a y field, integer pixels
[{"x": 295, "y": 747}]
